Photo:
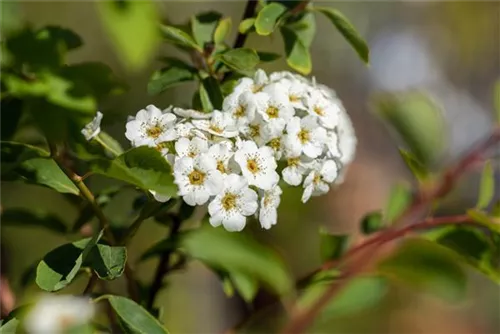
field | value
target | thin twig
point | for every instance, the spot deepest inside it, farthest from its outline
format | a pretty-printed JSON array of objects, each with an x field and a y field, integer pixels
[
  {"x": 302, "y": 319},
  {"x": 91, "y": 284},
  {"x": 163, "y": 267}
]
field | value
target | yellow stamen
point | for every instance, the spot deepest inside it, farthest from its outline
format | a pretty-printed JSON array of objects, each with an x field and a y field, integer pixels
[
  {"x": 229, "y": 201},
  {"x": 196, "y": 177},
  {"x": 253, "y": 166},
  {"x": 272, "y": 112},
  {"x": 304, "y": 136}
]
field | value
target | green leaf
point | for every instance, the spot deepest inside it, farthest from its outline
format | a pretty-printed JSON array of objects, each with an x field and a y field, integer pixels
[
  {"x": 66, "y": 36},
  {"x": 347, "y": 30},
  {"x": 267, "y": 18},
  {"x": 14, "y": 154},
  {"x": 418, "y": 170},
  {"x": 426, "y": 265},
  {"x": 304, "y": 27},
  {"x": 110, "y": 144},
  {"x": 168, "y": 77},
  {"x": 483, "y": 219},
  {"x": 487, "y": 186},
  {"x": 246, "y": 256},
  {"x": 246, "y": 25},
  {"x": 133, "y": 29},
  {"x": 9, "y": 326},
  {"x": 60, "y": 266},
  {"x": 360, "y": 294},
  {"x": 108, "y": 262},
  {"x": 297, "y": 54},
  {"x": 268, "y": 56},
  {"x": 222, "y": 31},
  {"x": 143, "y": 167},
  {"x": 241, "y": 59},
  {"x": 332, "y": 246},
  {"x": 247, "y": 286},
  {"x": 134, "y": 317},
  {"x": 203, "y": 27},
  {"x": 399, "y": 199},
  {"x": 497, "y": 101},
  {"x": 179, "y": 37},
  {"x": 214, "y": 93},
  {"x": 12, "y": 110},
  {"x": 23, "y": 217},
  {"x": 417, "y": 120},
  {"x": 372, "y": 222},
  {"x": 45, "y": 172}
]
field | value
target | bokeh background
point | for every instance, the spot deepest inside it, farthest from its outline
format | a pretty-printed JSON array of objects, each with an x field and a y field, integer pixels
[{"x": 451, "y": 50}]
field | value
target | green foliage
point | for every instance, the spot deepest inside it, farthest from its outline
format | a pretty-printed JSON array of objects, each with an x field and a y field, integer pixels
[
  {"x": 247, "y": 257},
  {"x": 223, "y": 30},
  {"x": 298, "y": 35},
  {"x": 268, "y": 56},
  {"x": 332, "y": 246},
  {"x": 418, "y": 122},
  {"x": 108, "y": 262},
  {"x": 143, "y": 167},
  {"x": 12, "y": 109},
  {"x": 267, "y": 18},
  {"x": 240, "y": 59},
  {"x": 399, "y": 200},
  {"x": 24, "y": 217},
  {"x": 177, "y": 36},
  {"x": 426, "y": 265},
  {"x": 246, "y": 25},
  {"x": 247, "y": 286},
  {"x": 347, "y": 30},
  {"x": 211, "y": 94},
  {"x": 372, "y": 222},
  {"x": 176, "y": 73},
  {"x": 203, "y": 27},
  {"x": 487, "y": 186},
  {"x": 133, "y": 317},
  {"x": 418, "y": 169},
  {"x": 133, "y": 28}
]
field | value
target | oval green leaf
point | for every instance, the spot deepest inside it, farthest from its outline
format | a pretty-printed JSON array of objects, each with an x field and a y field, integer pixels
[
  {"x": 297, "y": 54},
  {"x": 486, "y": 186},
  {"x": 246, "y": 25},
  {"x": 241, "y": 59},
  {"x": 267, "y": 18},
  {"x": 222, "y": 31},
  {"x": 179, "y": 37}
]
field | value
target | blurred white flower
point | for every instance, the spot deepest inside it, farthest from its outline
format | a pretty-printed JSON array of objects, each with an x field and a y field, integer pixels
[
  {"x": 252, "y": 85},
  {"x": 151, "y": 127},
  {"x": 55, "y": 314},
  {"x": 233, "y": 204},
  {"x": 257, "y": 165},
  {"x": 93, "y": 128},
  {"x": 268, "y": 213},
  {"x": 191, "y": 113},
  {"x": 221, "y": 124},
  {"x": 197, "y": 179},
  {"x": 318, "y": 180}
]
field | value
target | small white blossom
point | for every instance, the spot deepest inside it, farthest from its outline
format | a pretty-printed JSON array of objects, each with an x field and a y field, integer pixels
[
  {"x": 305, "y": 135},
  {"x": 268, "y": 213},
  {"x": 278, "y": 145},
  {"x": 327, "y": 110},
  {"x": 252, "y": 85},
  {"x": 257, "y": 165},
  {"x": 222, "y": 153},
  {"x": 191, "y": 148},
  {"x": 347, "y": 139},
  {"x": 318, "y": 180},
  {"x": 151, "y": 127},
  {"x": 296, "y": 90},
  {"x": 93, "y": 128},
  {"x": 221, "y": 124},
  {"x": 233, "y": 204},
  {"x": 241, "y": 106},
  {"x": 58, "y": 313},
  {"x": 274, "y": 107},
  {"x": 297, "y": 167},
  {"x": 191, "y": 113},
  {"x": 258, "y": 131},
  {"x": 197, "y": 179}
]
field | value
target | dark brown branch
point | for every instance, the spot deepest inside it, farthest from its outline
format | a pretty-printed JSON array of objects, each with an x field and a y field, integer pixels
[
  {"x": 248, "y": 13},
  {"x": 302, "y": 319}
]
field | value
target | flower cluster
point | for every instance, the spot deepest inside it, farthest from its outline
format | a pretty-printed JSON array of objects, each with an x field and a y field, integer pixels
[{"x": 229, "y": 158}]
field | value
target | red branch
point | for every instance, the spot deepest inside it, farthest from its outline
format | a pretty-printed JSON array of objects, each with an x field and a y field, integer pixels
[{"x": 301, "y": 319}]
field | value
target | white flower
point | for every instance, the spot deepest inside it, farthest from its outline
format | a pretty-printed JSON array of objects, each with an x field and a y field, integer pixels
[
  {"x": 327, "y": 110},
  {"x": 197, "y": 179},
  {"x": 257, "y": 165},
  {"x": 305, "y": 135},
  {"x": 268, "y": 214},
  {"x": 188, "y": 130},
  {"x": 93, "y": 128},
  {"x": 258, "y": 131},
  {"x": 278, "y": 146},
  {"x": 56, "y": 314},
  {"x": 221, "y": 124},
  {"x": 318, "y": 180},
  {"x": 191, "y": 148},
  {"x": 296, "y": 91},
  {"x": 297, "y": 167},
  {"x": 252, "y": 85},
  {"x": 222, "y": 153},
  {"x": 233, "y": 204},
  {"x": 347, "y": 139},
  {"x": 241, "y": 106},
  {"x": 274, "y": 107},
  {"x": 191, "y": 113},
  {"x": 151, "y": 127},
  {"x": 332, "y": 144},
  {"x": 278, "y": 76}
]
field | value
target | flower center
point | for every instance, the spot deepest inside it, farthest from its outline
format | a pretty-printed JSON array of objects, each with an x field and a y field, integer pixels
[
  {"x": 240, "y": 111},
  {"x": 154, "y": 131},
  {"x": 215, "y": 128},
  {"x": 196, "y": 177},
  {"x": 267, "y": 200},
  {"x": 253, "y": 166},
  {"x": 229, "y": 201},
  {"x": 293, "y": 161},
  {"x": 254, "y": 130},
  {"x": 317, "y": 178},
  {"x": 275, "y": 143},
  {"x": 303, "y": 136},
  {"x": 221, "y": 167},
  {"x": 293, "y": 98},
  {"x": 272, "y": 112},
  {"x": 162, "y": 146},
  {"x": 319, "y": 111},
  {"x": 257, "y": 88}
]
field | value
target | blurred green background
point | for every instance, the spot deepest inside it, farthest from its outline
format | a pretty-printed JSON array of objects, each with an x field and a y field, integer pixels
[{"x": 449, "y": 49}]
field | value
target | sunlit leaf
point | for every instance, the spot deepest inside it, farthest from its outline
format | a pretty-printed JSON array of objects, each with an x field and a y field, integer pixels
[
  {"x": 267, "y": 18},
  {"x": 246, "y": 25},
  {"x": 203, "y": 27},
  {"x": 179, "y": 37},
  {"x": 399, "y": 199},
  {"x": 240, "y": 59},
  {"x": 222, "y": 31},
  {"x": 133, "y": 29},
  {"x": 107, "y": 261},
  {"x": 487, "y": 186},
  {"x": 247, "y": 286},
  {"x": 482, "y": 218},
  {"x": 297, "y": 54},
  {"x": 418, "y": 169},
  {"x": 304, "y": 27}
]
